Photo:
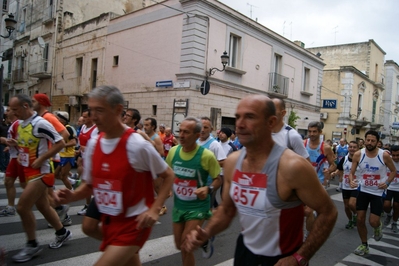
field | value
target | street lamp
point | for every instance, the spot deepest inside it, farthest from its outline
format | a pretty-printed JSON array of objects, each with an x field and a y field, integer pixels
[
  {"x": 205, "y": 84},
  {"x": 10, "y": 27},
  {"x": 225, "y": 60}
]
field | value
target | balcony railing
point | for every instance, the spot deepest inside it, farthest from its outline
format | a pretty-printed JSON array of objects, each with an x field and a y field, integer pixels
[
  {"x": 40, "y": 69},
  {"x": 278, "y": 84},
  {"x": 18, "y": 75}
]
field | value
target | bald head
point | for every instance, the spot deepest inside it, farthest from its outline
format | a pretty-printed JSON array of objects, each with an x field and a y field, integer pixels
[{"x": 268, "y": 105}]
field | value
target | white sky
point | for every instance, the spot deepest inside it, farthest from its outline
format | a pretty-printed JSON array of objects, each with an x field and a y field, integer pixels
[{"x": 326, "y": 22}]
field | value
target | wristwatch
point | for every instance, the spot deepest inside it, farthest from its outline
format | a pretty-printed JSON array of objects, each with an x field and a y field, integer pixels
[
  {"x": 210, "y": 189},
  {"x": 300, "y": 259}
]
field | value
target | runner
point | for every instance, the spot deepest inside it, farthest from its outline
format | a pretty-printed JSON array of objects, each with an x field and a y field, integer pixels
[
  {"x": 268, "y": 185},
  {"x": 129, "y": 211},
  {"x": 372, "y": 164},
  {"x": 14, "y": 169},
  {"x": 349, "y": 194},
  {"x": 192, "y": 165},
  {"x": 392, "y": 210},
  {"x": 34, "y": 132}
]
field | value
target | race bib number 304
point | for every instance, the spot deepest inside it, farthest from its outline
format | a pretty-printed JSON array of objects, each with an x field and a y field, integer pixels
[
  {"x": 248, "y": 191},
  {"x": 108, "y": 195}
]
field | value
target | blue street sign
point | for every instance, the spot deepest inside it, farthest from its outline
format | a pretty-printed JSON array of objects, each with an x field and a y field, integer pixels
[
  {"x": 329, "y": 104},
  {"x": 164, "y": 83},
  {"x": 395, "y": 125}
]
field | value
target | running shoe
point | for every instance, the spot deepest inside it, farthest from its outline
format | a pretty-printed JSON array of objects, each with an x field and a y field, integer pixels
[
  {"x": 378, "y": 233},
  {"x": 163, "y": 210},
  {"x": 362, "y": 250},
  {"x": 387, "y": 219},
  {"x": 349, "y": 225},
  {"x": 338, "y": 189},
  {"x": 60, "y": 240},
  {"x": 207, "y": 248},
  {"x": 27, "y": 253},
  {"x": 62, "y": 212},
  {"x": 66, "y": 222},
  {"x": 8, "y": 211},
  {"x": 83, "y": 210},
  {"x": 394, "y": 227}
]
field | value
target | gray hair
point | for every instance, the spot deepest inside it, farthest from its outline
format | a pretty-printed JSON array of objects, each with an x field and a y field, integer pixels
[
  {"x": 23, "y": 98},
  {"x": 198, "y": 124},
  {"x": 112, "y": 95},
  {"x": 316, "y": 124}
]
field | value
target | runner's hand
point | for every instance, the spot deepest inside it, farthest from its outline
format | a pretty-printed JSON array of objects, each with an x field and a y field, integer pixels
[
  {"x": 287, "y": 261},
  {"x": 194, "y": 239},
  {"x": 148, "y": 218},
  {"x": 63, "y": 196},
  {"x": 201, "y": 192}
]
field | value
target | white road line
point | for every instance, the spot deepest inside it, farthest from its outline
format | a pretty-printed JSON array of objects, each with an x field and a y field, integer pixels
[{"x": 13, "y": 219}]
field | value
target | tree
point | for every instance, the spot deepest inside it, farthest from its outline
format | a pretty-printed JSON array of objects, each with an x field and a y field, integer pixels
[{"x": 292, "y": 119}]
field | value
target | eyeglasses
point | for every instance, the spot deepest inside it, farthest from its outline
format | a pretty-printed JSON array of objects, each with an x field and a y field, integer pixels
[{"x": 128, "y": 115}]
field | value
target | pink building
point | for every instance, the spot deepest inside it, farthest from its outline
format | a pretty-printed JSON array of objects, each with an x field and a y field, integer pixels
[{"x": 160, "y": 55}]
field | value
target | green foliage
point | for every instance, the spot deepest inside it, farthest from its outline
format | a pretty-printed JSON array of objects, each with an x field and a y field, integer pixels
[{"x": 292, "y": 119}]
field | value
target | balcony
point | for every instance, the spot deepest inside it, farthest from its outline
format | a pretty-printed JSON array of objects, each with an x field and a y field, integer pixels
[
  {"x": 18, "y": 75},
  {"x": 48, "y": 15},
  {"x": 377, "y": 121},
  {"x": 278, "y": 85},
  {"x": 40, "y": 69}
]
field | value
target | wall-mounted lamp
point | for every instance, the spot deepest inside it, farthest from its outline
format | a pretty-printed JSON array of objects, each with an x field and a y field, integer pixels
[
  {"x": 225, "y": 61},
  {"x": 10, "y": 25}
]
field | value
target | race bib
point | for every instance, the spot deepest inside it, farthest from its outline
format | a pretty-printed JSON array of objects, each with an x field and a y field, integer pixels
[
  {"x": 24, "y": 156},
  {"x": 108, "y": 195},
  {"x": 184, "y": 189},
  {"x": 167, "y": 147},
  {"x": 371, "y": 180},
  {"x": 248, "y": 192}
]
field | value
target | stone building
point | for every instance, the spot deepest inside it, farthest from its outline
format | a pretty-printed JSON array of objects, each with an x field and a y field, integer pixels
[
  {"x": 352, "y": 91},
  {"x": 391, "y": 103},
  {"x": 39, "y": 35},
  {"x": 159, "y": 57}
]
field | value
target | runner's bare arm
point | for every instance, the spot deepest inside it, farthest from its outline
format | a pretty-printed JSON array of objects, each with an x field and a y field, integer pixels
[
  {"x": 297, "y": 179},
  {"x": 159, "y": 146},
  {"x": 391, "y": 166},
  {"x": 55, "y": 148},
  {"x": 330, "y": 158},
  {"x": 223, "y": 216},
  {"x": 149, "y": 217},
  {"x": 355, "y": 163}
]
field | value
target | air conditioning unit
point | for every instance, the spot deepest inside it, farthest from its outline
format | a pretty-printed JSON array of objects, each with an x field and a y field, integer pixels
[
  {"x": 73, "y": 101},
  {"x": 323, "y": 115}
]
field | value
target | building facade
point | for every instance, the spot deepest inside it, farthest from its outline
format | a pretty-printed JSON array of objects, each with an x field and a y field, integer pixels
[
  {"x": 159, "y": 57},
  {"x": 353, "y": 88},
  {"x": 391, "y": 103},
  {"x": 32, "y": 68}
]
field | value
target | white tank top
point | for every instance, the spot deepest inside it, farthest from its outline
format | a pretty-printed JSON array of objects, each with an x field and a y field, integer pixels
[
  {"x": 347, "y": 169},
  {"x": 372, "y": 171},
  {"x": 394, "y": 186}
]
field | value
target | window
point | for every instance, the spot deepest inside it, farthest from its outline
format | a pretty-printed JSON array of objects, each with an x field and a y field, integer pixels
[
  {"x": 278, "y": 59},
  {"x": 306, "y": 79},
  {"x": 22, "y": 25},
  {"x": 5, "y": 6},
  {"x": 79, "y": 66},
  {"x": 359, "y": 104},
  {"x": 235, "y": 51},
  {"x": 154, "y": 110},
  {"x": 45, "y": 57},
  {"x": 94, "y": 73},
  {"x": 116, "y": 60}
]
